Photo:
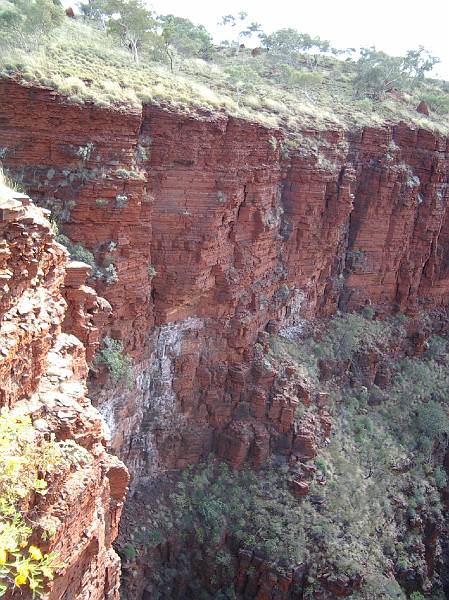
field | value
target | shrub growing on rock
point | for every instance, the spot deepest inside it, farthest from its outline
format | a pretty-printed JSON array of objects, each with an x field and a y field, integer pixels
[{"x": 116, "y": 360}]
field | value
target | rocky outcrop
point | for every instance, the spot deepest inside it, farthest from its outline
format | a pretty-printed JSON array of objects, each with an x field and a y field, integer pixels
[
  {"x": 397, "y": 233},
  {"x": 43, "y": 375},
  {"x": 28, "y": 258},
  {"x": 86, "y": 313},
  {"x": 217, "y": 229}
]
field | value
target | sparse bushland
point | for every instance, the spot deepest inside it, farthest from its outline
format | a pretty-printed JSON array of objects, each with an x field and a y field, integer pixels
[
  {"x": 26, "y": 23},
  {"x": 294, "y": 80},
  {"x": 27, "y": 460},
  {"x": 376, "y": 492}
]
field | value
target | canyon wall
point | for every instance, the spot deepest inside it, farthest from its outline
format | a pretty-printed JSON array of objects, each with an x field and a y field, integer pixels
[
  {"x": 219, "y": 230},
  {"x": 43, "y": 373}
]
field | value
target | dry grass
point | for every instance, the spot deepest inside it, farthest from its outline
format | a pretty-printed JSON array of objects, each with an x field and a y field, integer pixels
[{"x": 84, "y": 64}]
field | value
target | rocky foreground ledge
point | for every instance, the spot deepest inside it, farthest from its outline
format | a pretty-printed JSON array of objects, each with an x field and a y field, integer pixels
[{"x": 43, "y": 374}]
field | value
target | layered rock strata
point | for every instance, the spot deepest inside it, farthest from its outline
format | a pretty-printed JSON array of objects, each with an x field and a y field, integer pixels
[
  {"x": 217, "y": 229},
  {"x": 43, "y": 375}
]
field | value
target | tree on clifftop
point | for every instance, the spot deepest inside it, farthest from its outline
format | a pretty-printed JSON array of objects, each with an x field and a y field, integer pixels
[
  {"x": 128, "y": 20},
  {"x": 288, "y": 44},
  {"x": 98, "y": 11},
  {"x": 133, "y": 23},
  {"x": 185, "y": 37},
  {"x": 417, "y": 63},
  {"x": 379, "y": 73},
  {"x": 244, "y": 29}
]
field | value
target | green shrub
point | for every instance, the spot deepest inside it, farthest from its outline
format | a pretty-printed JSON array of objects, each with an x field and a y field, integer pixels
[
  {"x": 142, "y": 152},
  {"x": 368, "y": 312},
  {"x": 85, "y": 152},
  {"x": 437, "y": 347},
  {"x": 110, "y": 274},
  {"x": 350, "y": 333},
  {"x": 118, "y": 363},
  {"x": 440, "y": 477},
  {"x": 320, "y": 463},
  {"x": 272, "y": 142},
  {"x": 432, "y": 420},
  {"x": 438, "y": 103},
  {"x": 130, "y": 552},
  {"x": 362, "y": 427},
  {"x": 77, "y": 251},
  {"x": 155, "y": 538},
  {"x": 126, "y": 174},
  {"x": 121, "y": 200}
]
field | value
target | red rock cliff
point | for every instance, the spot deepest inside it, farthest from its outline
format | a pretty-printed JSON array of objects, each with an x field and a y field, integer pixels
[
  {"x": 43, "y": 374},
  {"x": 242, "y": 237}
]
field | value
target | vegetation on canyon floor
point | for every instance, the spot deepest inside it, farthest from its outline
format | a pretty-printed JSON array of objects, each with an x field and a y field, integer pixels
[
  {"x": 375, "y": 499},
  {"x": 117, "y": 53}
]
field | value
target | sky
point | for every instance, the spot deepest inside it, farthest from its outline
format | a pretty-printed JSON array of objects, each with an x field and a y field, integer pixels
[{"x": 394, "y": 26}]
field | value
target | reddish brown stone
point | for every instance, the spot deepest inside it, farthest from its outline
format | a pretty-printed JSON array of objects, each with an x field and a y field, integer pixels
[
  {"x": 423, "y": 108},
  {"x": 43, "y": 374},
  {"x": 87, "y": 314},
  {"x": 239, "y": 239},
  {"x": 299, "y": 488}
]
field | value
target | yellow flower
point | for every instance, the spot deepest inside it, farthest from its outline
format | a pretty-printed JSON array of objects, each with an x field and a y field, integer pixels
[
  {"x": 20, "y": 579},
  {"x": 23, "y": 571},
  {"x": 3, "y": 556},
  {"x": 35, "y": 553}
]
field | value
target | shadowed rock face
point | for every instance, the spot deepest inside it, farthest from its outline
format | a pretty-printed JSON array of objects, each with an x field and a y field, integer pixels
[{"x": 43, "y": 374}]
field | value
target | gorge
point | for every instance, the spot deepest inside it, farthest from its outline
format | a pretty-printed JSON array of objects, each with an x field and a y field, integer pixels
[{"x": 217, "y": 245}]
